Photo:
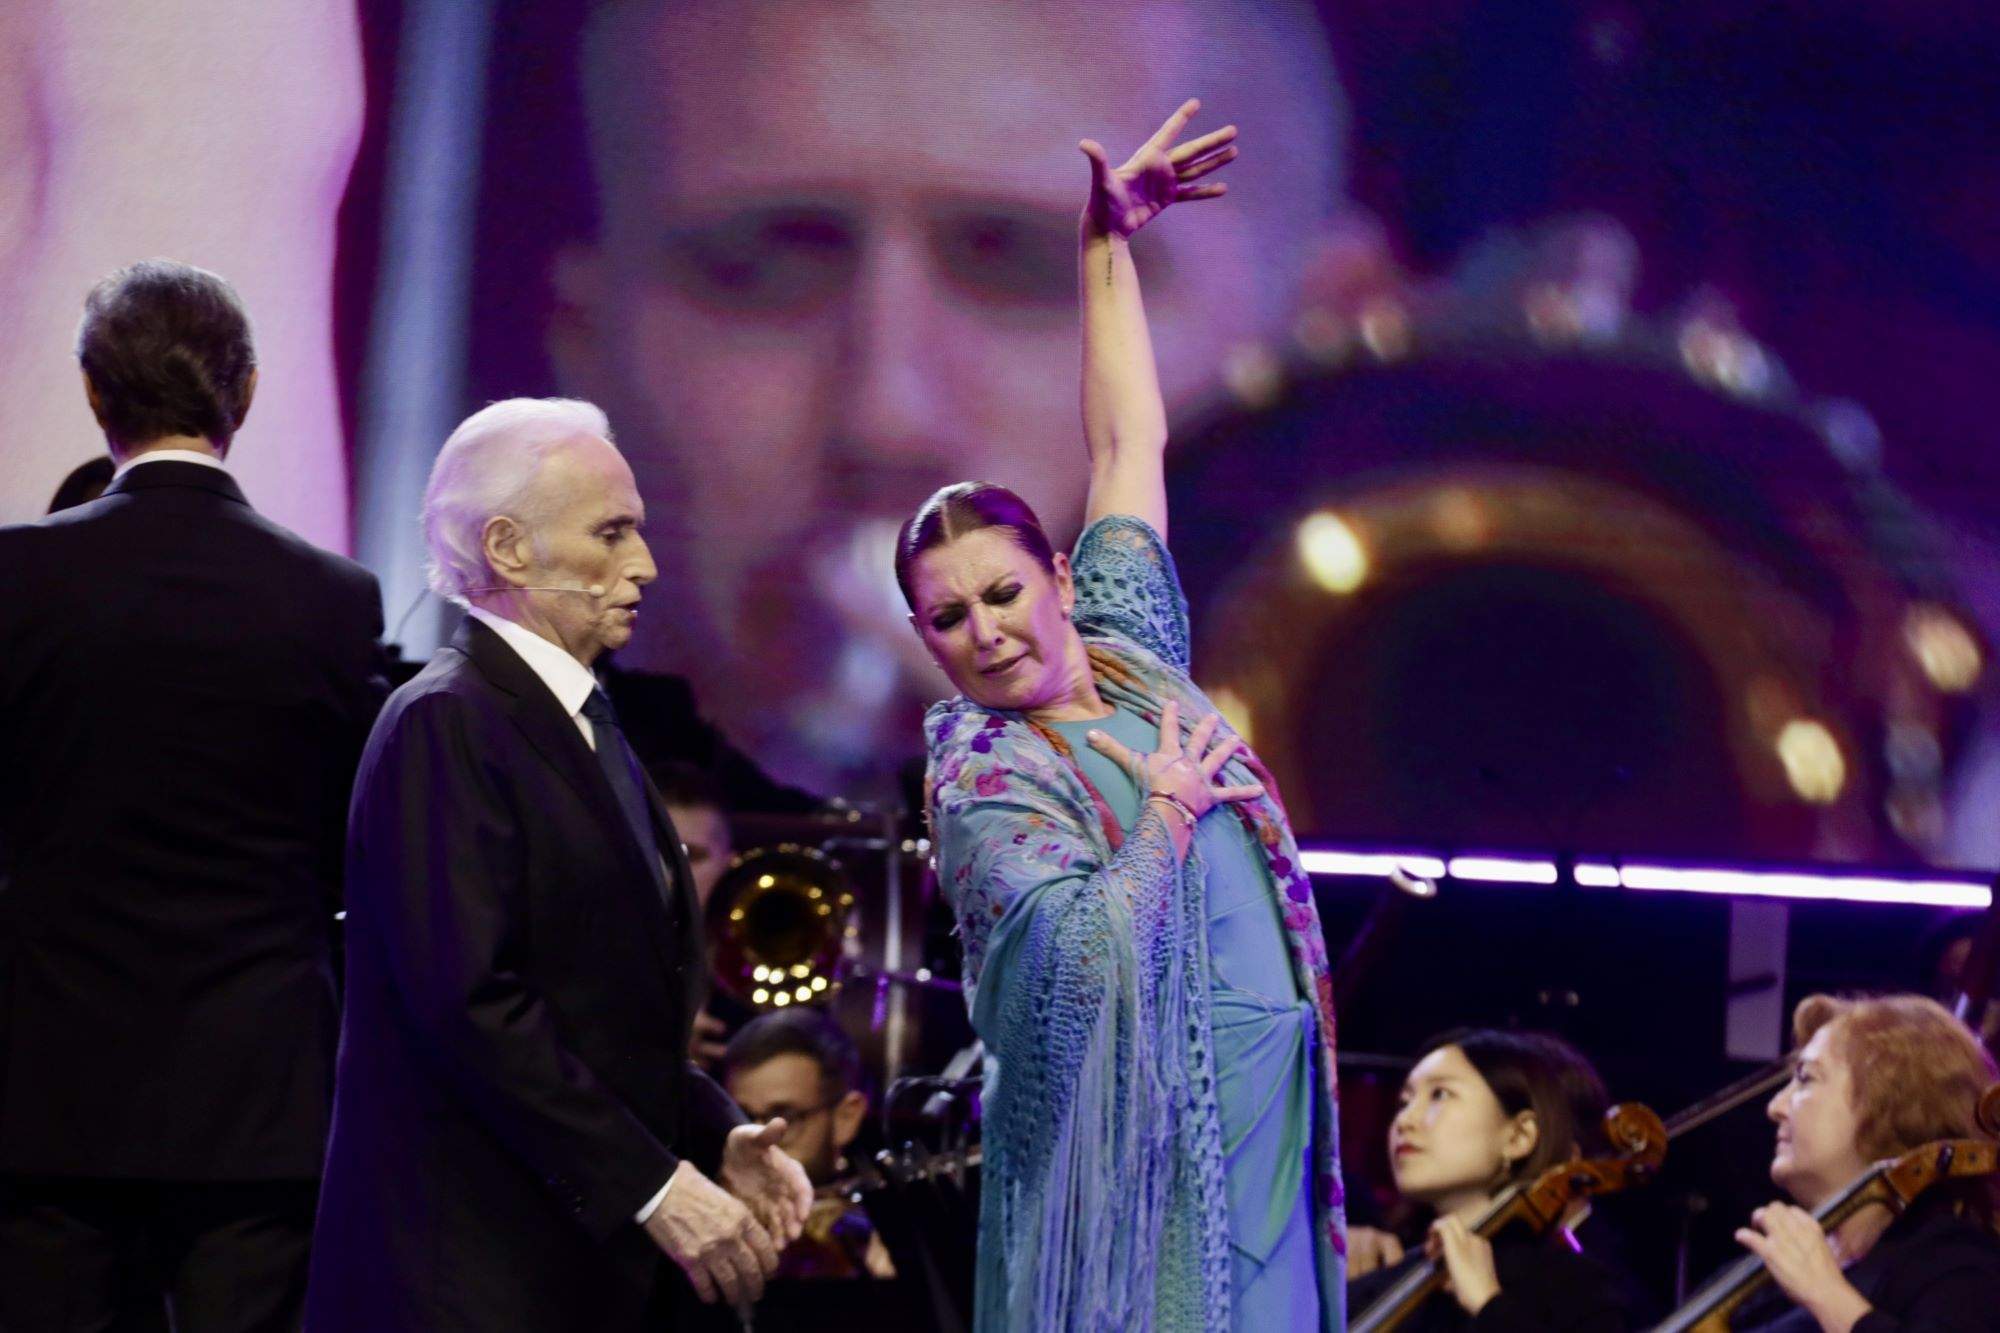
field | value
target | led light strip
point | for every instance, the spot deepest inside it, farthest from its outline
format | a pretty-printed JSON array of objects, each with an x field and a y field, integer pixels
[{"x": 1925, "y": 889}]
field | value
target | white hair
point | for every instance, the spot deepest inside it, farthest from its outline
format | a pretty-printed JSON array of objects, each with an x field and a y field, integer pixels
[{"x": 488, "y": 467}]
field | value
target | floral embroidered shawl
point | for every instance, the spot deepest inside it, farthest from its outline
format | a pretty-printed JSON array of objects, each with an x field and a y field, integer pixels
[{"x": 1086, "y": 970}]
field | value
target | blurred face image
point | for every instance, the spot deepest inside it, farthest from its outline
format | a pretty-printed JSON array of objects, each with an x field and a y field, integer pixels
[
  {"x": 1816, "y": 1156},
  {"x": 837, "y": 269},
  {"x": 996, "y": 622},
  {"x": 1452, "y": 1143}
]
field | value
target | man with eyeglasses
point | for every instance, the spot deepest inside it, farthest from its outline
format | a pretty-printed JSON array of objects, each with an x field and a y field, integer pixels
[{"x": 798, "y": 1064}]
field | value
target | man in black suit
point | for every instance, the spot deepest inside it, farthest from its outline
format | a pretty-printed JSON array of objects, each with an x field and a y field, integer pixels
[
  {"x": 184, "y": 692},
  {"x": 519, "y": 1140}
]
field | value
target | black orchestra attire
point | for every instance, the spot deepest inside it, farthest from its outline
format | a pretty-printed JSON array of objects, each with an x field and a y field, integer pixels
[
  {"x": 1932, "y": 1271},
  {"x": 185, "y": 688},
  {"x": 1545, "y": 1287},
  {"x": 523, "y": 966}
]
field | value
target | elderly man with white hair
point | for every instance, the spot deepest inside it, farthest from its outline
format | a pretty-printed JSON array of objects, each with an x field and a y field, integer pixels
[{"x": 519, "y": 1140}]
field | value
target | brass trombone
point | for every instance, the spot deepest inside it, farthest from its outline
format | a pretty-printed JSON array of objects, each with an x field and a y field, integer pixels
[{"x": 780, "y": 926}]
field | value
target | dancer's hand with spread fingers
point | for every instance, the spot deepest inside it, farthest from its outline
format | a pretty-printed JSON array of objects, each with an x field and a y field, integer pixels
[{"x": 1159, "y": 174}]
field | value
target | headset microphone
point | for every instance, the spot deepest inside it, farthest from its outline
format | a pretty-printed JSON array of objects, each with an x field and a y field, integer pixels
[{"x": 594, "y": 590}]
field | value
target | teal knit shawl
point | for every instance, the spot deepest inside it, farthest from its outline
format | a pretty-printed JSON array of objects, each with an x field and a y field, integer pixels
[{"x": 1086, "y": 969}]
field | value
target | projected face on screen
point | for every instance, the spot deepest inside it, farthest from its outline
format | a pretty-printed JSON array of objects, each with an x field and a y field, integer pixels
[{"x": 837, "y": 269}]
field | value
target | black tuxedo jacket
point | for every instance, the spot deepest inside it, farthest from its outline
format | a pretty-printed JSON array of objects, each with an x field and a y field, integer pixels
[
  {"x": 514, "y": 1079},
  {"x": 184, "y": 691}
]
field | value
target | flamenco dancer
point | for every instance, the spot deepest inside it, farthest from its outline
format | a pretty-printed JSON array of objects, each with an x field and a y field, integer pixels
[{"x": 1143, "y": 959}]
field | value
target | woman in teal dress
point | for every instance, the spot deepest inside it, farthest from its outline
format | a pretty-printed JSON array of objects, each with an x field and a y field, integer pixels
[{"x": 1143, "y": 960}]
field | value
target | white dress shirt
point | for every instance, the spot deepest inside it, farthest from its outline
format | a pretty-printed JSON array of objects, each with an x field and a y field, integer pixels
[
  {"x": 166, "y": 456},
  {"x": 571, "y": 682}
]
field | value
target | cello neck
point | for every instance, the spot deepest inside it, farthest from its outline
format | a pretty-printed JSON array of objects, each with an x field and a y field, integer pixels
[
  {"x": 1709, "y": 1309},
  {"x": 1538, "y": 1204},
  {"x": 1423, "y": 1280}
]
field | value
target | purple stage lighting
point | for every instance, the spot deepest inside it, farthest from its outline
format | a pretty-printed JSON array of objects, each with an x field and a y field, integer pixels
[{"x": 1908, "y": 888}]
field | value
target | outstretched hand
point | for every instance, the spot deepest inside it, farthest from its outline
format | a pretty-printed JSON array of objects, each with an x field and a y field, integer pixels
[
  {"x": 1186, "y": 774},
  {"x": 1124, "y": 199}
]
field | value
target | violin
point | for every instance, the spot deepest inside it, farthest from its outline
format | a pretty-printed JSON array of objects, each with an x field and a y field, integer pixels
[
  {"x": 1538, "y": 1205},
  {"x": 835, "y": 1241},
  {"x": 1894, "y": 1183},
  {"x": 913, "y": 1164}
]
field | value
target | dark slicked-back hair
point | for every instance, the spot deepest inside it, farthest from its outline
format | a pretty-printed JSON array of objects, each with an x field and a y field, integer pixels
[
  {"x": 965, "y": 507},
  {"x": 167, "y": 347},
  {"x": 802, "y": 1031},
  {"x": 1532, "y": 1071}
]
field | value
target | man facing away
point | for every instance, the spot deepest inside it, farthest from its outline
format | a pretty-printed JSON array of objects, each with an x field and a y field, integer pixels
[
  {"x": 519, "y": 1139},
  {"x": 184, "y": 692}
]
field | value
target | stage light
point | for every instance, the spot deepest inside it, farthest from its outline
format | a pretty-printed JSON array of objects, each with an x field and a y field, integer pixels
[
  {"x": 1915, "y": 888},
  {"x": 1253, "y": 374},
  {"x": 1385, "y": 329},
  {"x": 1501, "y": 870},
  {"x": 1323, "y": 861},
  {"x": 1812, "y": 760},
  {"x": 1725, "y": 358},
  {"x": 1234, "y": 711},
  {"x": 1417, "y": 886},
  {"x": 1332, "y": 554},
  {"x": 1943, "y": 647},
  {"x": 1862, "y": 888}
]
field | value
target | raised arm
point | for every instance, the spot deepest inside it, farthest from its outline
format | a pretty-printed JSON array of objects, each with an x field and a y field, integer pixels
[{"x": 1124, "y": 416}]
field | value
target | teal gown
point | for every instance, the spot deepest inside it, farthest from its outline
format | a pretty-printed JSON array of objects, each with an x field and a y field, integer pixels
[{"x": 1264, "y": 1032}]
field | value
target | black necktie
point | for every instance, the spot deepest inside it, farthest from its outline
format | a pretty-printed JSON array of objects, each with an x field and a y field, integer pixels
[{"x": 621, "y": 769}]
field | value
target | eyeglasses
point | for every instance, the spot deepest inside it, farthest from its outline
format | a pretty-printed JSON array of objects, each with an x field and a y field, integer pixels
[{"x": 796, "y": 1117}]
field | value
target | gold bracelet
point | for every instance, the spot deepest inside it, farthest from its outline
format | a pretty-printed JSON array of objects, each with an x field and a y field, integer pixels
[{"x": 1187, "y": 813}]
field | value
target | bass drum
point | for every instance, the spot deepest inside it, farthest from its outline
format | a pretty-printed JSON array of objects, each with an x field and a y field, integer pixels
[{"x": 1496, "y": 564}]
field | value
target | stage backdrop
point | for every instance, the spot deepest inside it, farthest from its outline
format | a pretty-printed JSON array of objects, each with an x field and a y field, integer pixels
[
  {"x": 218, "y": 132},
  {"x": 1580, "y": 412}
]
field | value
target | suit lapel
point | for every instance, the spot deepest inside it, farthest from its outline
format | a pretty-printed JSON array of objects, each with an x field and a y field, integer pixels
[{"x": 553, "y": 734}]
